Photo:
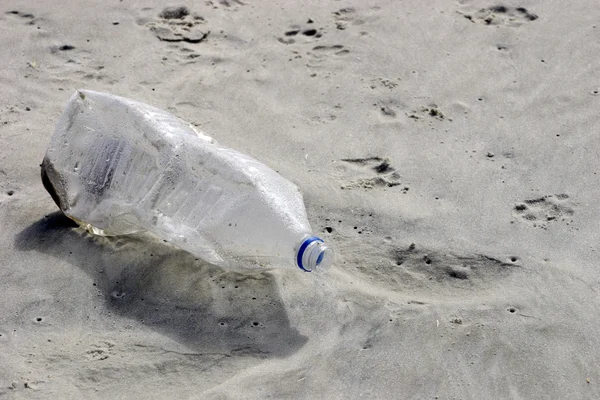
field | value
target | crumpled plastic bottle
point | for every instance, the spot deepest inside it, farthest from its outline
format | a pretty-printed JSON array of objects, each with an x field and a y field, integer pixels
[{"x": 117, "y": 167}]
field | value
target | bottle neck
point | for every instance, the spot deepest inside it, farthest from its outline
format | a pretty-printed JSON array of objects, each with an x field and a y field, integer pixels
[{"x": 313, "y": 255}]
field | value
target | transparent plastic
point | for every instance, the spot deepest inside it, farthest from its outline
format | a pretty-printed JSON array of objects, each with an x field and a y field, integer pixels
[{"x": 117, "y": 167}]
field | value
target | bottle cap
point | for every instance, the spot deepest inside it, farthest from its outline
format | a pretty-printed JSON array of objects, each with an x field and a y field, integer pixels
[{"x": 314, "y": 255}]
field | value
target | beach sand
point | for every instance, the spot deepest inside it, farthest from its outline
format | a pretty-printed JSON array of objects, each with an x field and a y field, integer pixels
[{"x": 447, "y": 150}]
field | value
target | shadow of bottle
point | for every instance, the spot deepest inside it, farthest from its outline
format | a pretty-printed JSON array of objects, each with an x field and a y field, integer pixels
[{"x": 204, "y": 307}]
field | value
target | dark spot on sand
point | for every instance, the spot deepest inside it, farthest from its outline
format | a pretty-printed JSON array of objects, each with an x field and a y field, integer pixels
[
  {"x": 197, "y": 39},
  {"x": 66, "y": 47},
  {"x": 383, "y": 168},
  {"x": 526, "y": 13},
  {"x": 292, "y": 33},
  {"x": 536, "y": 201},
  {"x": 10, "y": 192},
  {"x": 361, "y": 160},
  {"x": 174, "y": 13},
  {"x": 385, "y": 110},
  {"x": 310, "y": 32},
  {"x": 333, "y": 47},
  {"x": 457, "y": 273},
  {"x": 499, "y": 9}
]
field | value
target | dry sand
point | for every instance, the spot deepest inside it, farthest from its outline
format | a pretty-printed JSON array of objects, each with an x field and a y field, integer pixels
[{"x": 448, "y": 150}]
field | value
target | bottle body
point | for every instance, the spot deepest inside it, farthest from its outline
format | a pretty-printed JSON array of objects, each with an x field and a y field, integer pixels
[{"x": 117, "y": 166}]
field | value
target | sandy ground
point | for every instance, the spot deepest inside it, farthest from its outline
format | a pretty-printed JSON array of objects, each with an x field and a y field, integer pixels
[{"x": 448, "y": 150}]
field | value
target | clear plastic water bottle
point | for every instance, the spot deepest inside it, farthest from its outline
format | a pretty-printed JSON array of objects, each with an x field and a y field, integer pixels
[{"x": 117, "y": 167}]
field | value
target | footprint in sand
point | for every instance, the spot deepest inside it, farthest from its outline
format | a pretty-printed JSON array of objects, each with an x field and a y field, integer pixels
[
  {"x": 389, "y": 107},
  {"x": 177, "y": 24},
  {"x": 28, "y": 17},
  {"x": 426, "y": 270},
  {"x": 343, "y": 16},
  {"x": 431, "y": 111},
  {"x": 336, "y": 49},
  {"x": 100, "y": 351},
  {"x": 70, "y": 60},
  {"x": 10, "y": 115},
  {"x": 325, "y": 53},
  {"x": 543, "y": 211},
  {"x": 384, "y": 83},
  {"x": 442, "y": 266},
  {"x": 228, "y": 4},
  {"x": 308, "y": 34},
  {"x": 500, "y": 15},
  {"x": 385, "y": 175},
  {"x": 305, "y": 33},
  {"x": 346, "y": 16},
  {"x": 323, "y": 113}
]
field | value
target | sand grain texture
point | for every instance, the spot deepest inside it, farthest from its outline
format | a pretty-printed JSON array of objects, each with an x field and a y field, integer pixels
[{"x": 448, "y": 150}]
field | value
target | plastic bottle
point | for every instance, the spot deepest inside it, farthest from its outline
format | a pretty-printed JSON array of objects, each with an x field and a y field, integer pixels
[{"x": 117, "y": 166}]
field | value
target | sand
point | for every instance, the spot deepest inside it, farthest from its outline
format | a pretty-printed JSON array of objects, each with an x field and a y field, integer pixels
[{"x": 447, "y": 150}]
